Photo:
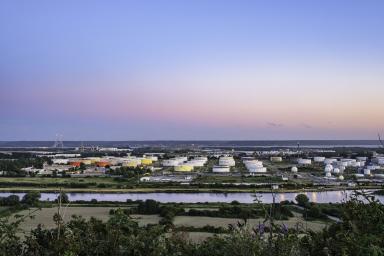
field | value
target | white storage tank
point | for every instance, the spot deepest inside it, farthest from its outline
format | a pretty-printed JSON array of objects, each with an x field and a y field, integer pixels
[
  {"x": 294, "y": 169},
  {"x": 227, "y": 161},
  {"x": 196, "y": 163},
  {"x": 170, "y": 162},
  {"x": 253, "y": 163},
  {"x": 303, "y": 161},
  {"x": 328, "y": 168},
  {"x": 276, "y": 159},
  {"x": 258, "y": 170},
  {"x": 336, "y": 170},
  {"x": 341, "y": 177},
  {"x": 330, "y": 160},
  {"x": 328, "y": 174},
  {"x": 319, "y": 159},
  {"x": 220, "y": 169}
]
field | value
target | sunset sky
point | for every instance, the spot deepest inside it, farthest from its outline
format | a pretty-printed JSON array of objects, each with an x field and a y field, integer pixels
[{"x": 186, "y": 70}]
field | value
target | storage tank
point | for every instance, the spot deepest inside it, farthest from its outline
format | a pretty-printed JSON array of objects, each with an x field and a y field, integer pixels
[
  {"x": 170, "y": 162},
  {"x": 276, "y": 159},
  {"x": 146, "y": 161},
  {"x": 60, "y": 161},
  {"x": 253, "y": 163},
  {"x": 86, "y": 161},
  {"x": 336, "y": 170},
  {"x": 303, "y": 161},
  {"x": 183, "y": 168},
  {"x": 367, "y": 172},
  {"x": 294, "y": 169},
  {"x": 328, "y": 174},
  {"x": 153, "y": 158},
  {"x": 75, "y": 163},
  {"x": 330, "y": 160},
  {"x": 130, "y": 164},
  {"x": 196, "y": 163},
  {"x": 341, "y": 177},
  {"x": 328, "y": 168},
  {"x": 102, "y": 164},
  {"x": 318, "y": 159},
  {"x": 257, "y": 170},
  {"x": 220, "y": 169},
  {"x": 227, "y": 161}
]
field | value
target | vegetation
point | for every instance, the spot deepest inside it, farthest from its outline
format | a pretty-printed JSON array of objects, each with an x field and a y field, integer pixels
[{"x": 360, "y": 232}]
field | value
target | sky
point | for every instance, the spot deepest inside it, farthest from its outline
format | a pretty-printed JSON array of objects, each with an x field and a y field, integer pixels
[{"x": 191, "y": 70}]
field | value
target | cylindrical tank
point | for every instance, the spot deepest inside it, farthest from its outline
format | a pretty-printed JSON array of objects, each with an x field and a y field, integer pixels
[
  {"x": 318, "y": 159},
  {"x": 294, "y": 169},
  {"x": 276, "y": 159},
  {"x": 328, "y": 168},
  {"x": 257, "y": 170},
  {"x": 329, "y": 160},
  {"x": 303, "y": 161},
  {"x": 183, "y": 168},
  {"x": 146, "y": 161},
  {"x": 227, "y": 161},
  {"x": 220, "y": 169}
]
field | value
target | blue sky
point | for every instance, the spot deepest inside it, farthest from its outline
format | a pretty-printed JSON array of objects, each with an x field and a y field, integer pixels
[{"x": 121, "y": 70}]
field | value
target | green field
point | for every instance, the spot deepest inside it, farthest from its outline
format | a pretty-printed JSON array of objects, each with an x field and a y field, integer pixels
[{"x": 45, "y": 217}]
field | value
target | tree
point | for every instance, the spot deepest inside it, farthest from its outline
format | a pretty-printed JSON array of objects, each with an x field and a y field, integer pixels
[
  {"x": 302, "y": 200},
  {"x": 315, "y": 212},
  {"x": 64, "y": 198},
  {"x": 31, "y": 198}
]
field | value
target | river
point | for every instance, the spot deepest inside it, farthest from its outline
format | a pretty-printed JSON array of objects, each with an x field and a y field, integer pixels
[{"x": 317, "y": 197}]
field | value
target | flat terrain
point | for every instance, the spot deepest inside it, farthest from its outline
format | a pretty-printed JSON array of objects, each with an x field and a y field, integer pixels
[
  {"x": 45, "y": 217},
  {"x": 198, "y": 221}
]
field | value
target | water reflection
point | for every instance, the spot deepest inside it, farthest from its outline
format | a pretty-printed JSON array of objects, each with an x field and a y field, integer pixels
[{"x": 319, "y": 197}]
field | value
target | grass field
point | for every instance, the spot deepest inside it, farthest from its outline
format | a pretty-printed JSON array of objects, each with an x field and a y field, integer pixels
[
  {"x": 45, "y": 216},
  {"x": 224, "y": 222}
]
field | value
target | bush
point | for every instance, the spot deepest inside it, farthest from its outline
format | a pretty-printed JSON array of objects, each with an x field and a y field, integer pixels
[
  {"x": 302, "y": 200},
  {"x": 31, "y": 198}
]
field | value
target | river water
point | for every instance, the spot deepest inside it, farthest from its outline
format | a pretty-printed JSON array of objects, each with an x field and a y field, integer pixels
[{"x": 317, "y": 197}]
